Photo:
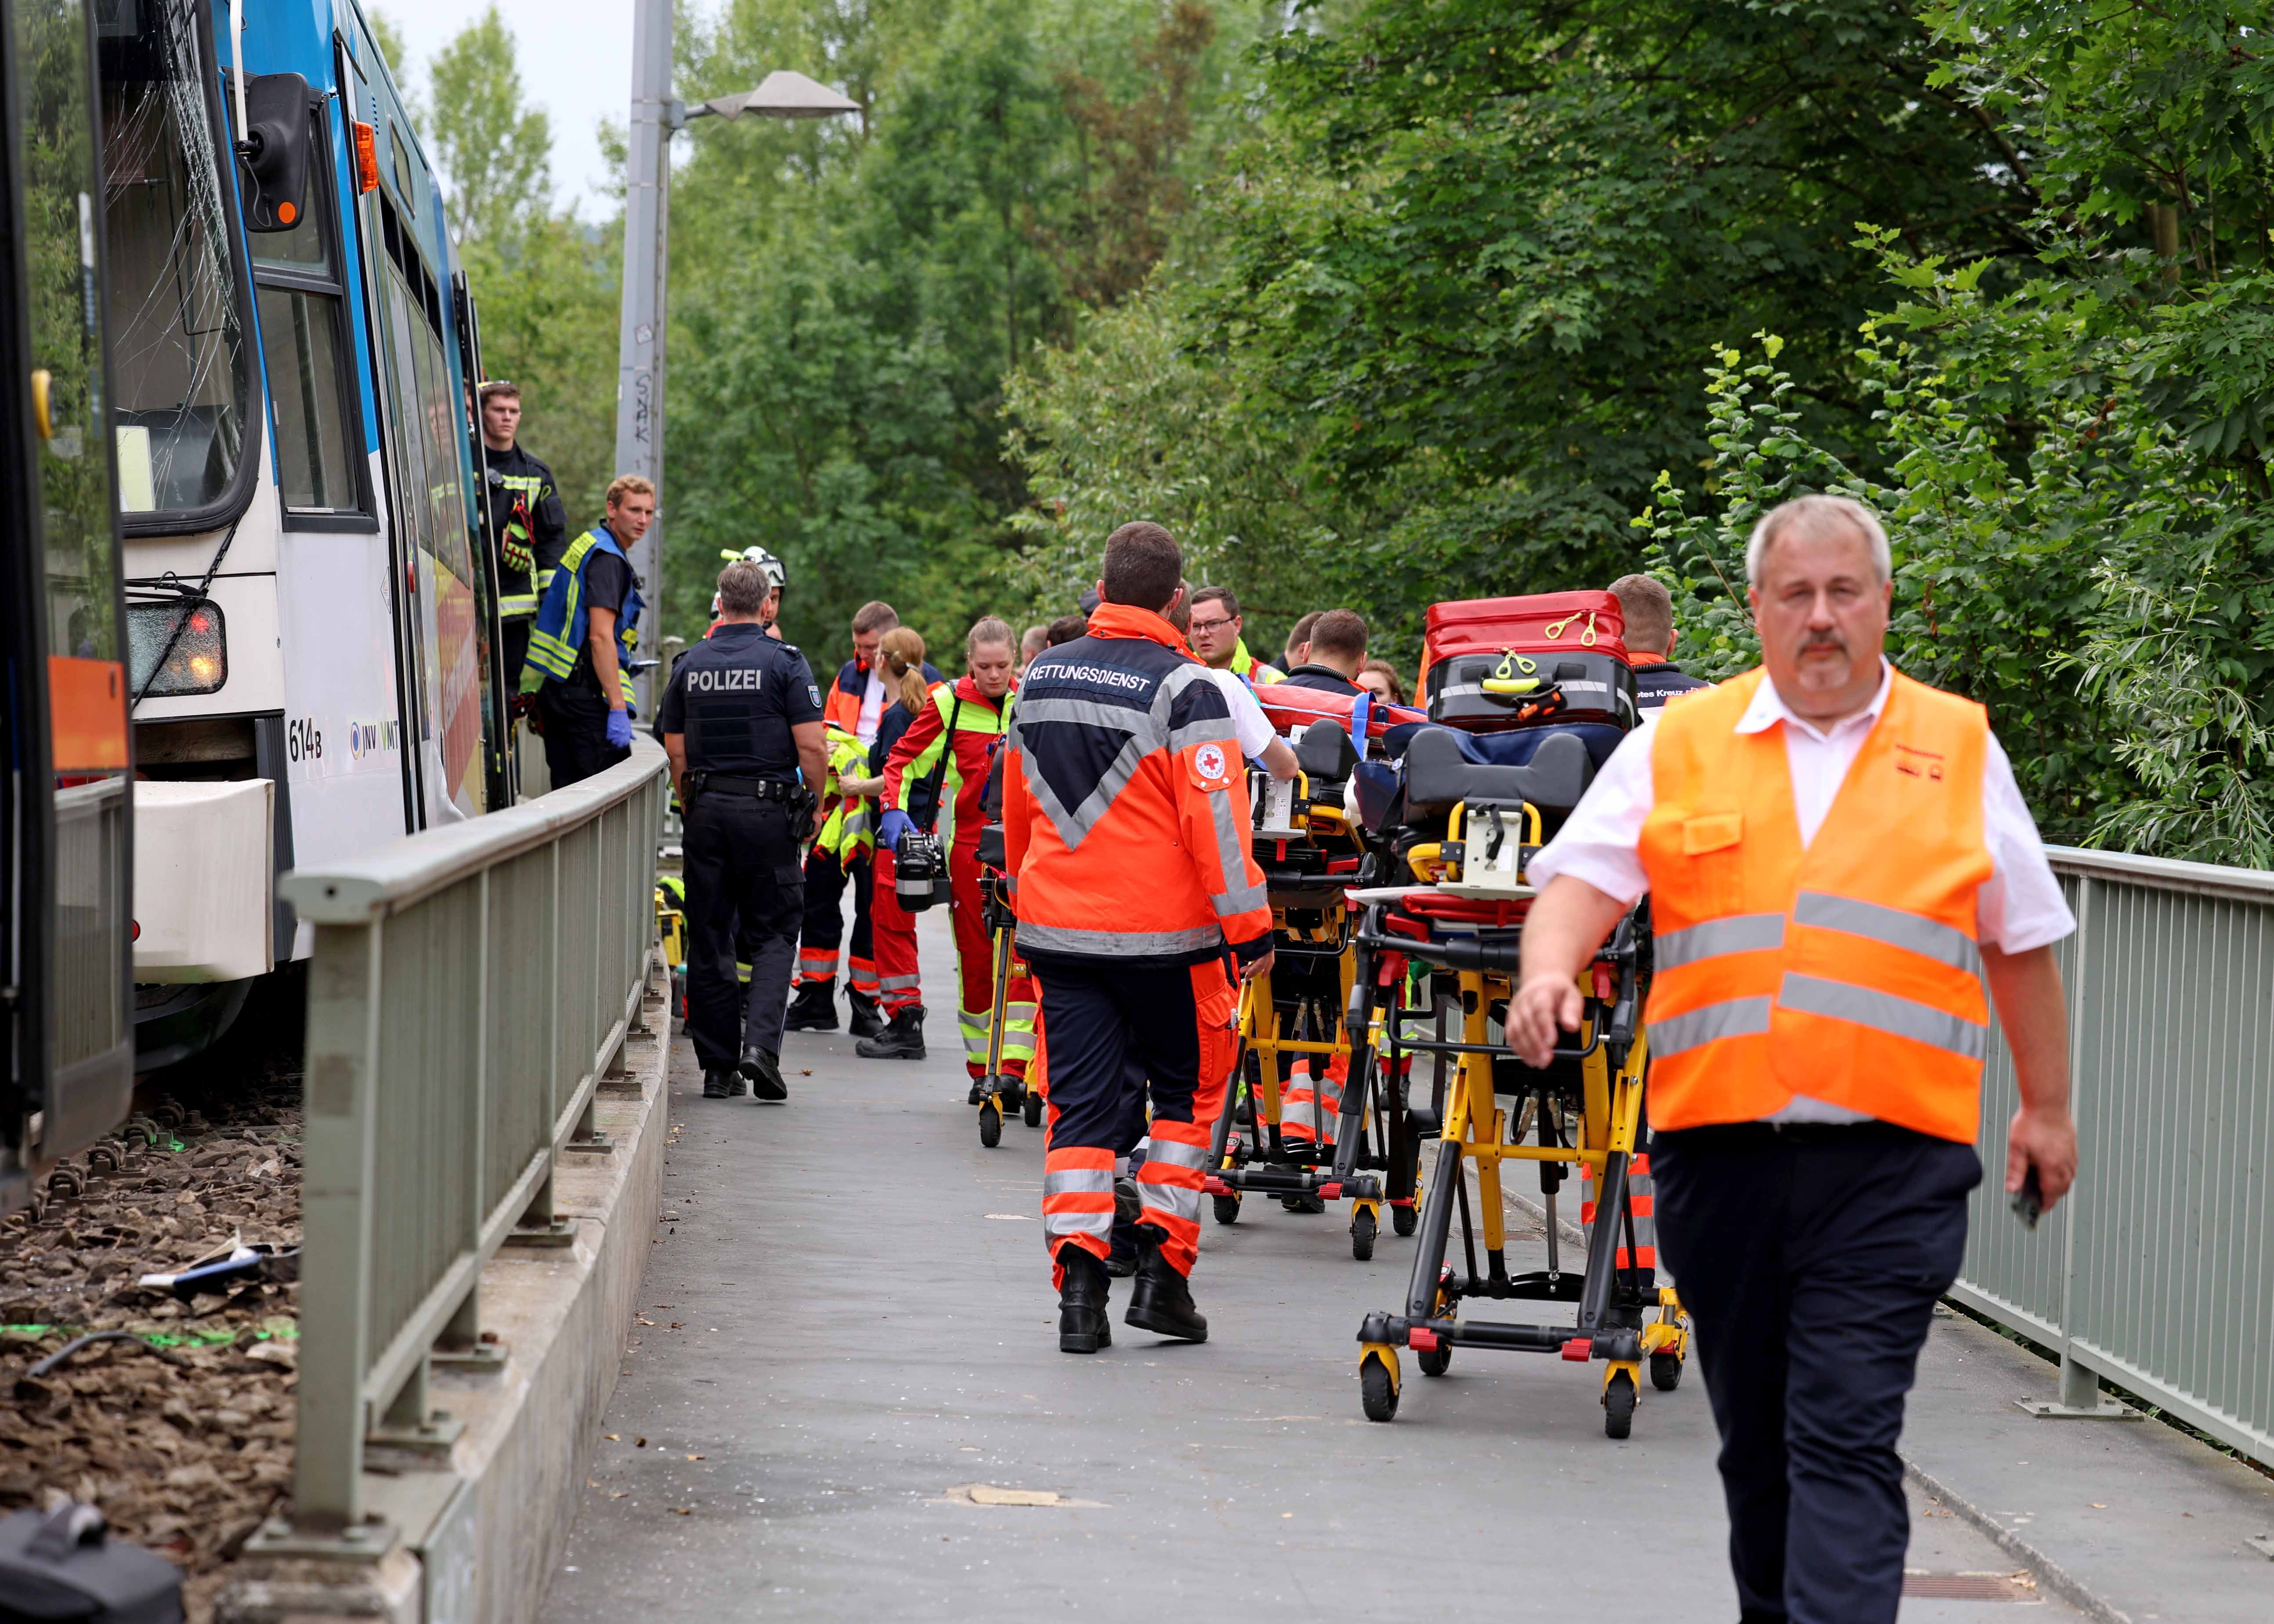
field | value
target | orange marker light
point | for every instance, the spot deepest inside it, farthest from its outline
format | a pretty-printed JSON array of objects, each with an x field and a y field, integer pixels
[
  {"x": 286, "y": 213},
  {"x": 366, "y": 146}
]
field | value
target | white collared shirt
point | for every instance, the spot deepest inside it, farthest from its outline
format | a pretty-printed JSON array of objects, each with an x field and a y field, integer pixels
[
  {"x": 872, "y": 707},
  {"x": 2019, "y": 907},
  {"x": 1254, "y": 728}
]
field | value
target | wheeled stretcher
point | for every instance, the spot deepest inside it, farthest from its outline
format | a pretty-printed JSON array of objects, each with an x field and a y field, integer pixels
[
  {"x": 1287, "y": 1134},
  {"x": 1436, "y": 965}
]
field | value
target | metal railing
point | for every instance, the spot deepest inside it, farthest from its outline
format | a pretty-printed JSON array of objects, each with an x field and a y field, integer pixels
[
  {"x": 2157, "y": 1273},
  {"x": 469, "y": 987}
]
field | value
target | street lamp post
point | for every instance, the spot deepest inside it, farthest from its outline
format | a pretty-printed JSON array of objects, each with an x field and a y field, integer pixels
[{"x": 656, "y": 118}]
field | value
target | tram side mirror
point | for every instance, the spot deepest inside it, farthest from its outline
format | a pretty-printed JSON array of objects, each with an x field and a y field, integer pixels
[
  {"x": 1325, "y": 751},
  {"x": 274, "y": 151}
]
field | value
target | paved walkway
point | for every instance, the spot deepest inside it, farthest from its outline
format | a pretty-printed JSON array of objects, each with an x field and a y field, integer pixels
[{"x": 852, "y": 1319}]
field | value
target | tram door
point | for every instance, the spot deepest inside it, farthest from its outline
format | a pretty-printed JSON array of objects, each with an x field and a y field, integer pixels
[
  {"x": 68, "y": 811},
  {"x": 439, "y": 607}
]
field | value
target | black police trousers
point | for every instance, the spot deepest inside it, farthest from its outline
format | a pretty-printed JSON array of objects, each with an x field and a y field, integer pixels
[
  {"x": 576, "y": 745},
  {"x": 741, "y": 868},
  {"x": 1810, "y": 1262}
]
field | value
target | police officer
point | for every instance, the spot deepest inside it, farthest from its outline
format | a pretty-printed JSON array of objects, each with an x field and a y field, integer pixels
[
  {"x": 527, "y": 529},
  {"x": 741, "y": 722}
]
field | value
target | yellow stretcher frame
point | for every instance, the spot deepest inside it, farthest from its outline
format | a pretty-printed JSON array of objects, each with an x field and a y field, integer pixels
[{"x": 1609, "y": 1124}]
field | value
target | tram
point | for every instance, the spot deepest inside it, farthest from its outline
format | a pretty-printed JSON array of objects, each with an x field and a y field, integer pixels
[
  {"x": 65, "y": 828},
  {"x": 310, "y": 625}
]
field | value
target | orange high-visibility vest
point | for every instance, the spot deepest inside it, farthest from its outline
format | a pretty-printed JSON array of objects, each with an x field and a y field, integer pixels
[{"x": 1847, "y": 970}]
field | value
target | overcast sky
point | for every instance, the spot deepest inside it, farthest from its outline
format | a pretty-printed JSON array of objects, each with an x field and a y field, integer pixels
[{"x": 576, "y": 63}]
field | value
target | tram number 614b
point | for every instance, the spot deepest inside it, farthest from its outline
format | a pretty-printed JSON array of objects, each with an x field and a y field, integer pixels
[{"x": 303, "y": 741}]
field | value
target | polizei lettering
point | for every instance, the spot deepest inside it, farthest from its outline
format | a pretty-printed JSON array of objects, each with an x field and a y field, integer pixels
[{"x": 721, "y": 681}]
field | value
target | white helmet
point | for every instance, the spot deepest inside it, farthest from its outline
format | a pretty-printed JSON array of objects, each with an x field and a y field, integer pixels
[{"x": 777, "y": 573}]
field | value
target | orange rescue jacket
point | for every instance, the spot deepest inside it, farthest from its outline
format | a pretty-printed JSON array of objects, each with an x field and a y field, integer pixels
[
  {"x": 1847, "y": 970},
  {"x": 1125, "y": 805}
]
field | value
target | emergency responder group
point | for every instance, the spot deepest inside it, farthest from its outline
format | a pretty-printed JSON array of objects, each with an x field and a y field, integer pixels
[{"x": 1817, "y": 1020}]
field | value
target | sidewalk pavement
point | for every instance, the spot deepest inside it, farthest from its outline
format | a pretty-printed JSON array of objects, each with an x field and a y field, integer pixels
[{"x": 849, "y": 1321}]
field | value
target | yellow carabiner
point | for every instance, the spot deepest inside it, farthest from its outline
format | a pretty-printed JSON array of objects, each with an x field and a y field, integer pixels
[
  {"x": 1504, "y": 679},
  {"x": 1557, "y": 629}
]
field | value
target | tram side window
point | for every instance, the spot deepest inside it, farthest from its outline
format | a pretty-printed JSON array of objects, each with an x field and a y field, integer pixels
[
  {"x": 302, "y": 300},
  {"x": 180, "y": 356}
]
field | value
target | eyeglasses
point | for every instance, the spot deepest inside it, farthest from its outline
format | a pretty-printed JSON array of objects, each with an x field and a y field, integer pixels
[{"x": 1210, "y": 626}]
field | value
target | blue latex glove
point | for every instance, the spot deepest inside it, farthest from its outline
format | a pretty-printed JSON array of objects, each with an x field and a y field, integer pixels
[
  {"x": 896, "y": 824},
  {"x": 620, "y": 729}
]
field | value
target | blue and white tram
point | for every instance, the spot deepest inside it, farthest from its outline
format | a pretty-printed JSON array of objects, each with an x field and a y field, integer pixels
[{"x": 311, "y": 621}]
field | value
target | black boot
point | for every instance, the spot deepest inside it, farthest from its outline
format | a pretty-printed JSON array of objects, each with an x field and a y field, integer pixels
[
  {"x": 901, "y": 1040},
  {"x": 866, "y": 1022},
  {"x": 1161, "y": 1301},
  {"x": 726, "y": 1085},
  {"x": 815, "y": 1007},
  {"x": 764, "y": 1072},
  {"x": 1084, "y": 1324},
  {"x": 978, "y": 1091}
]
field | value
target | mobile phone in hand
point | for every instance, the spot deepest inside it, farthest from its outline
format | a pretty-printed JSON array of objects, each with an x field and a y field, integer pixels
[{"x": 2029, "y": 1200}]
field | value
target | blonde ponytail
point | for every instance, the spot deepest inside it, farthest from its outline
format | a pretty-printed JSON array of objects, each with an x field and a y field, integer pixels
[{"x": 902, "y": 652}]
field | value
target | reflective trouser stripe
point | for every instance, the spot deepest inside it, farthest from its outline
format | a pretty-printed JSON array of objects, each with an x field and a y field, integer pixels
[
  {"x": 517, "y": 606},
  {"x": 1313, "y": 1100},
  {"x": 1017, "y": 1031},
  {"x": 1169, "y": 1188},
  {"x": 1709, "y": 1023},
  {"x": 1643, "y": 1200},
  {"x": 1738, "y": 933},
  {"x": 1882, "y": 1011},
  {"x": 1913, "y": 933},
  {"x": 816, "y": 964},
  {"x": 863, "y": 975},
  {"x": 973, "y": 1025},
  {"x": 1077, "y": 1199}
]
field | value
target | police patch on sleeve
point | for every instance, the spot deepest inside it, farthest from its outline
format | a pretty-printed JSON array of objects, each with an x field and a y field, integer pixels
[
  {"x": 813, "y": 693},
  {"x": 1212, "y": 768}
]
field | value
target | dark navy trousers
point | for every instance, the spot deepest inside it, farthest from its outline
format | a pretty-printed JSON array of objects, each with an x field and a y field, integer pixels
[{"x": 1810, "y": 1261}]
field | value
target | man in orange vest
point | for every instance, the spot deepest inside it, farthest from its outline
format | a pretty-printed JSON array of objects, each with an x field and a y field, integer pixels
[
  {"x": 1125, "y": 826},
  {"x": 1837, "y": 857}
]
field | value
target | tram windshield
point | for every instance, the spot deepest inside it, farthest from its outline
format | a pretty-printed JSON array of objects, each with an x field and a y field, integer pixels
[{"x": 180, "y": 350}]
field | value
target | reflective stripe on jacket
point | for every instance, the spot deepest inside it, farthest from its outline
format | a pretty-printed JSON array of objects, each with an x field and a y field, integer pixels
[
  {"x": 978, "y": 724},
  {"x": 558, "y": 636},
  {"x": 850, "y": 828},
  {"x": 1847, "y": 970},
  {"x": 1124, "y": 804},
  {"x": 1253, "y": 671}
]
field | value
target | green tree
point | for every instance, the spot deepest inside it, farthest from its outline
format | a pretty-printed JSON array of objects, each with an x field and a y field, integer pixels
[
  {"x": 848, "y": 295},
  {"x": 1470, "y": 255},
  {"x": 494, "y": 150}
]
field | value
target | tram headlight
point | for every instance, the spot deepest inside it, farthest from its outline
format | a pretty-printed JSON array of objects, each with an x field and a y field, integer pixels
[{"x": 197, "y": 663}]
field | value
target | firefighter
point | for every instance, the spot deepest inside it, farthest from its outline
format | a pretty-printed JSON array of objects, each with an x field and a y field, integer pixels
[
  {"x": 1126, "y": 835},
  {"x": 1835, "y": 857},
  {"x": 955, "y": 733},
  {"x": 741, "y": 722},
  {"x": 527, "y": 529}
]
